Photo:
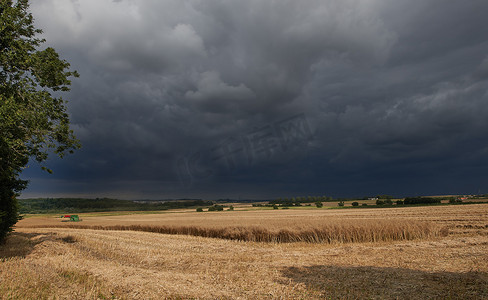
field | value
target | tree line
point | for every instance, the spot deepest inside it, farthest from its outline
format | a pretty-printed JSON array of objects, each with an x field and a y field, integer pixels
[
  {"x": 293, "y": 201},
  {"x": 80, "y": 205}
]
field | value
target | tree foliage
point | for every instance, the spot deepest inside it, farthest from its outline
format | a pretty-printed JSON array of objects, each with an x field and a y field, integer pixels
[
  {"x": 80, "y": 205},
  {"x": 421, "y": 200},
  {"x": 33, "y": 118}
]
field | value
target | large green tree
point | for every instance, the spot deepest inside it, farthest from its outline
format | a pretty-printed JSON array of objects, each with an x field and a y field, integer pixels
[{"x": 33, "y": 118}]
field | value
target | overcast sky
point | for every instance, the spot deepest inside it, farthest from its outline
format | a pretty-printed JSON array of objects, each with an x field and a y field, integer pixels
[{"x": 268, "y": 98}]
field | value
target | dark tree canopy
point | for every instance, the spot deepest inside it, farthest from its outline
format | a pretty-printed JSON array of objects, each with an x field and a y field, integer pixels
[{"x": 33, "y": 119}]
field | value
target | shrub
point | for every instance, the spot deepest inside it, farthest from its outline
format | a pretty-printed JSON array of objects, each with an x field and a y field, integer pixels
[
  {"x": 319, "y": 204},
  {"x": 216, "y": 207},
  {"x": 231, "y": 208},
  {"x": 341, "y": 203},
  {"x": 455, "y": 200},
  {"x": 399, "y": 202},
  {"x": 380, "y": 202},
  {"x": 355, "y": 203},
  {"x": 388, "y": 202},
  {"x": 199, "y": 209},
  {"x": 364, "y": 204},
  {"x": 275, "y": 206}
]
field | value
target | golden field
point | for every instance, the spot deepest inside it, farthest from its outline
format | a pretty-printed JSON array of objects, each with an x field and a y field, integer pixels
[{"x": 441, "y": 253}]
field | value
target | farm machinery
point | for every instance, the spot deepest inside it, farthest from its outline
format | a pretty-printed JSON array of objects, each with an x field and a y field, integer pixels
[{"x": 70, "y": 218}]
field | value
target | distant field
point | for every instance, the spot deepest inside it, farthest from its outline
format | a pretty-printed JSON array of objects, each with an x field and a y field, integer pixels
[
  {"x": 67, "y": 263},
  {"x": 456, "y": 218}
]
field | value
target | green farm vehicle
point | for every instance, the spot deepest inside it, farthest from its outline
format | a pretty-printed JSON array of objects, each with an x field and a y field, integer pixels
[{"x": 71, "y": 218}]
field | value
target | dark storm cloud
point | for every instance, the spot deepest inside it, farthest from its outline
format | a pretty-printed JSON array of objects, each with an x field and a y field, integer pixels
[{"x": 394, "y": 93}]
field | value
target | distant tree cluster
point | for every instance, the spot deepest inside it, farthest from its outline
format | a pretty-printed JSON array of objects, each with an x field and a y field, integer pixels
[
  {"x": 300, "y": 200},
  {"x": 216, "y": 207},
  {"x": 382, "y": 197},
  {"x": 384, "y": 202},
  {"x": 68, "y": 205},
  {"x": 421, "y": 200},
  {"x": 262, "y": 205}
]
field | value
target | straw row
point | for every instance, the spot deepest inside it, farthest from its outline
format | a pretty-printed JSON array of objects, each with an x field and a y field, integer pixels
[{"x": 346, "y": 232}]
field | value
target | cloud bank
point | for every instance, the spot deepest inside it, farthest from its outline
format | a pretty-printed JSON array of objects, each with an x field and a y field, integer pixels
[{"x": 192, "y": 98}]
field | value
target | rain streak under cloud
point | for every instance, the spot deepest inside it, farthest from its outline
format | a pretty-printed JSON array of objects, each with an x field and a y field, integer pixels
[{"x": 259, "y": 99}]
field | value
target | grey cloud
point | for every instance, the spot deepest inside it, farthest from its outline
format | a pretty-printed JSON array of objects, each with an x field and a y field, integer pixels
[
  {"x": 214, "y": 95},
  {"x": 384, "y": 86},
  {"x": 482, "y": 70}
]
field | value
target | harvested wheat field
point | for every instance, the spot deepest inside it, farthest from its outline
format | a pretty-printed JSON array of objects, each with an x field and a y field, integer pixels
[{"x": 401, "y": 253}]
